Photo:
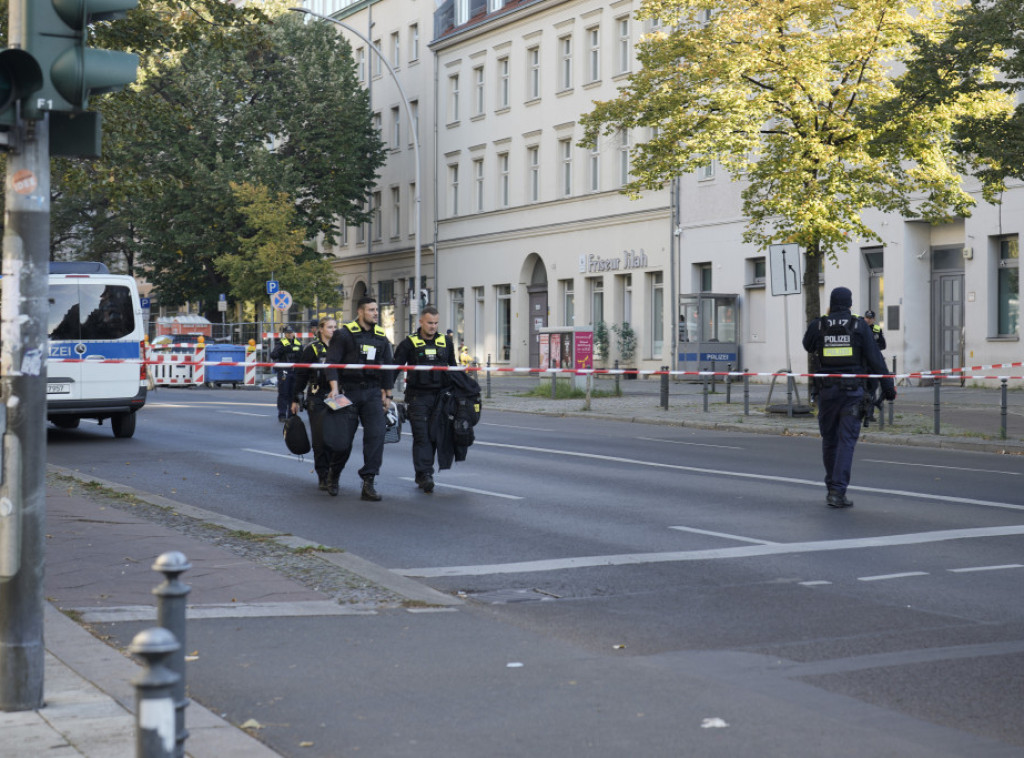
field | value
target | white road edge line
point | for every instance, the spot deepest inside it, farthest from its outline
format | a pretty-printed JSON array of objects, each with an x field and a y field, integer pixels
[
  {"x": 758, "y": 477},
  {"x": 722, "y": 534},
  {"x": 274, "y": 455},
  {"x": 985, "y": 568},
  {"x": 510, "y": 426},
  {"x": 694, "y": 444},
  {"x": 746, "y": 551},
  {"x": 882, "y": 577},
  {"x": 466, "y": 489},
  {"x": 948, "y": 468},
  {"x": 244, "y": 413},
  {"x": 815, "y": 583}
]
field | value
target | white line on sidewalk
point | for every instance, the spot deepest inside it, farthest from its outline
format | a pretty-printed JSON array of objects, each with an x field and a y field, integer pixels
[
  {"x": 744, "y": 475},
  {"x": 466, "y": 489},
  {"x": 722, "y": 534},
  {"x": 949, "y": 468},
  {"x": 694, "y": 444},
  {"x": 747, "y": 551}
]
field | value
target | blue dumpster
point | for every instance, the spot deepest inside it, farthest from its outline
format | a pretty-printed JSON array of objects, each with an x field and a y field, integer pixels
[{"x": 218, "y": 375}]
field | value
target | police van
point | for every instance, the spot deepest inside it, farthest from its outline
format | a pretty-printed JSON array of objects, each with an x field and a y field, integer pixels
[{"x": 94, "y": 316}]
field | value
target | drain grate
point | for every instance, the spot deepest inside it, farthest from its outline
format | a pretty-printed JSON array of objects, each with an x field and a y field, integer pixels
[{"x": 506, "y": 596}]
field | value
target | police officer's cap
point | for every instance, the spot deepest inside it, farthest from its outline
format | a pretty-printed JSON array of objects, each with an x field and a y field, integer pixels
[
  {"x": 869, "y": 313},
  {"x": 289, "y": 330}
]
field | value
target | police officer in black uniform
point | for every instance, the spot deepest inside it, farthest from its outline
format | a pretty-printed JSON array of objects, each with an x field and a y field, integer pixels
[
  {"x": 424, "y": 348},
  {"x": 326, "y": 461},
  {"x": 842, "y": 344},
  {"x": 369, "y": 391},
  {"x": 879, "y": 335},
  {"x": 287, "y": 351}
]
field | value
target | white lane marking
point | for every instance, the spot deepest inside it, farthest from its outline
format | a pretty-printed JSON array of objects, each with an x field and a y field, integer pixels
[
  {"x": 274, "y": 455},
  {"x": 744, "y": 475},
  {"x": 986, "y": 568},
  {"x": 694, "y": 444},
  {"x": 815, "y": 583},
  {"x": 746, "y": 551},
  {"x": 722, "y": 534},
  {"x": 509, "y": 426},
  {"x": 244, "y": 413},
  {"x": 949, "y": 468},
  {"x": 466, "y": 489},
  {"x": 882, "y": 577}
]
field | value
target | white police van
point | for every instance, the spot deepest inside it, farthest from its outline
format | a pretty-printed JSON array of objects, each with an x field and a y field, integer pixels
[{"x": 94, "y": 316}]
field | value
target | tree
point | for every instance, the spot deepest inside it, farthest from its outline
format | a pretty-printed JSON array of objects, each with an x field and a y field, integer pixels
[
  {"x": 984, "y": 36},
  {"x": 790, "y": 96}
]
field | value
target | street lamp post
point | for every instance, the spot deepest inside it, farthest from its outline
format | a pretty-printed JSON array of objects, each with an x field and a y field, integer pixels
[{"x": 414, "y": 303}]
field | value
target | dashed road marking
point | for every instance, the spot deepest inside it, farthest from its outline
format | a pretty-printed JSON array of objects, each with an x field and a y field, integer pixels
[
  {"x": 723, "y": 535},
  {"x": 986, "y": 568},
  {"x": 467, "y": 489},
  {"x": 883, "y": 577}
]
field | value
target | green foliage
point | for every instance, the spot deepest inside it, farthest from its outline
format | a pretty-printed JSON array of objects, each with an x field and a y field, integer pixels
[
  {"x": 794, "y": 98},
  {"x": 625, "y": 339},
  {"x": 601, "y": 339}
]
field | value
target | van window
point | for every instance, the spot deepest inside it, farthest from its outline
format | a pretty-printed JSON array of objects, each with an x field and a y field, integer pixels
[{"x": 90, "y": 312}]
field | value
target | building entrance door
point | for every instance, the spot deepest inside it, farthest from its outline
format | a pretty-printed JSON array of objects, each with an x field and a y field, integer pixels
[
  {"x": 538, "y": 320},
  {"x": 948, "y": 321}
]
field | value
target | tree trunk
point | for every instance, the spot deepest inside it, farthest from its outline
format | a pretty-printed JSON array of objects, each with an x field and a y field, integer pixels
[{"x": 812, "y": 271}]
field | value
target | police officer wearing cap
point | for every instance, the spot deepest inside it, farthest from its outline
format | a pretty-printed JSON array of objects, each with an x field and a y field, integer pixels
[
  {"x": 424, "y": 348},
  {"x": 876, "y": 330},
  {"x": 369, "y": 392},
  {"x": 842, "y": 343},
  {"x": 287, "y": 351},
  {"x": 326, "y": 462}
]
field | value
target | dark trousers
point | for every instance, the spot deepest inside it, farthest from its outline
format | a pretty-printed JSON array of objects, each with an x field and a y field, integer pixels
[
  {"x": 839, "y": 424},
  {"x": 418, "y": 407},
  {"x": 285, "y": 386},
  {"x": 327, "y": 462},
  {"x": 339, "y": 429}
]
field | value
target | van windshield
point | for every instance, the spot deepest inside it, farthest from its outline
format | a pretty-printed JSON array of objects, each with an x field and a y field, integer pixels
[{"x": 90, "y": 312}]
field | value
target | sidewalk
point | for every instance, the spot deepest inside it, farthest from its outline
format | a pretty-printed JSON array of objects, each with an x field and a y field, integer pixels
[{"x": 98, "y": 565}]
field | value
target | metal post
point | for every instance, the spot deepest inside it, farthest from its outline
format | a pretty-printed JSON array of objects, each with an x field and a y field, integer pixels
[
  {"x": 728, "y": 385},
  {"x": 713, "y": 377},
  {"x": 488, "y": 395},
  {"x": 618, "y": 389},
  {"x": 705, "y": 394},
  {"x": 26, "y": 255},
  {"x": 1002, "y": 408},
  {"x": 881, "y": 417},
  {"x": 154, "y": 702},
  {"x": 554, "y": 385},
  {"x": 746, "y": 392},
  {"x": 170, "y": 614},
  {"x": 664, "y": 388},
  {"x": 789, "y": 394},
  {"x": 935, "y": 410}
]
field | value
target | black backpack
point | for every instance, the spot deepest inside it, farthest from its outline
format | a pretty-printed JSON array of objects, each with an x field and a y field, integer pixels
[
  {"x": 295, "y": 437},
  {"x": 467, "y": 414}
]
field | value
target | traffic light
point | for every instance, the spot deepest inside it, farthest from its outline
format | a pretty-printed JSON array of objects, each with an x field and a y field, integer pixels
[
  {"x": 55, "y": 34},
  {"x": 20, "y": 76}
]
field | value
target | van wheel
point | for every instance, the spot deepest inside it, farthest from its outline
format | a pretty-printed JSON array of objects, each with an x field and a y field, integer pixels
[
  {"x": 65, "y": 422},
  {"x": 123, "y": 424}
]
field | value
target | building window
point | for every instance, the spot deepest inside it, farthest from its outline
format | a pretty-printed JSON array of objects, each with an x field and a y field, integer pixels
[
  {"x": 624, "y": 48},
  {"x": 874, "y": 259},
  {"x": 596, "y": 285},
  {"x": 396, "y": 50},
  {"x": 386, "y": 292},
  {"x": 457, "y": 300},
  {"x": 414, "y": 42},
  {"x": 503, "y": 83},
  {"x": 565, "y": 62},
  {"x": 478, "y": 183},
  {"x": 706, "y": 173},
  {"x": 656, "y": 297},
  {"x": 623, "y": 156},
  {"x": 361, "y": 234},
  {"x": 361, "y": 64},
  {"x": 479, "y": 325},
  {"x": 453, "y": 98},
  {"x": 478, "y": 91},
  {"x": 396, "y": 212},
  {"x": 594, "y": 169},
  {"x": 503, "y": 293},
  {"x": 702, "y": 273},
  {"x": 756, "y": 270},
  {"x": 396, "y": 128},
  {"x": 568, "y": 303},
  {"x": 565, "y": 148},
  {"x": 1009, "y": 286},
  {"x": 625, "y": 284},
  {"x": 594, "y": 54},
  {"x": 377, "y": 230},
  {"x": 412, "y": 209},
  {"x": 533, "y": 73},
  {"x": 503, "y": 180},
  {"x": 378, "y": 63},
  {"x": 378, "y": 125},
  {"x": 453, "y": 189},
  {"x": 533, "y": 173}
]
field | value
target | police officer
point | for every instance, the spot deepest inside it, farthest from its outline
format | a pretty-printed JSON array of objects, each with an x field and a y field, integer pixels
[
  {"x": 326, "y": 462},
  {"x": 424, "y": 348},
  {"x": 879, "y": 335},
  {"x": 287, "y": 351},
  {"x": 842, "y": 344},
  {"x": 369, "y": 392}
]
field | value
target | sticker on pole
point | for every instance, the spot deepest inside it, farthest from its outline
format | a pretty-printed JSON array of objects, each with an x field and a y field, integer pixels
[
  {"x": 282, "y": 300},
  {"x": 24, "y": 182},
  {"x": 785, "y": 269}
]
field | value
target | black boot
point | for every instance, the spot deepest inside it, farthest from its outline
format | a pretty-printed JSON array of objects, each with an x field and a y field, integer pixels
[
  {"x": 425, "y": 482},
  {"x": 323, "y": 483},
  {"x": 837, "y": 499},
  {"x": 369, "y": 493}
]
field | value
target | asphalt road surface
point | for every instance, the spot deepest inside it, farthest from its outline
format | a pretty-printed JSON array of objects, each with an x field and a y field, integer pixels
[{"x": 691, "y": 552}]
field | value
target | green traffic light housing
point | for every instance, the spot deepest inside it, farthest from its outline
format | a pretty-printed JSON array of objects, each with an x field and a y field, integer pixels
[{"x": 20, "y": 76}]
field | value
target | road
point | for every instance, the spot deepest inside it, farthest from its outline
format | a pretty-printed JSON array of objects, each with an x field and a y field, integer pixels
[{"x": 713, "y": 552}]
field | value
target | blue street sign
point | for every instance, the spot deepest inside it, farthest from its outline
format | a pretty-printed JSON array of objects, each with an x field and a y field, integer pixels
[
  {"x": 222, "y": 296},
  {"x": 273, "y": 286},
  {"x": 144, "y": 303}
]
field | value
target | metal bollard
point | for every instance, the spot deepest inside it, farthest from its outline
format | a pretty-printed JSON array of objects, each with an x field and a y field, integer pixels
[
  {"x": 664, "y": 388},
  {"x": 935, "y": 410},
  {"x": 746, "y": 392},
  {"x": 554, "y": 385},
  {"x": 488, "y": 395},
  {"x": 618, "y": 390},
  {"x": 170, "y": 614},
  {"x": 1002, "y": 408},
  {"x": 881, "y": 418},
  {"x": 713, "y": 377},
  {"x": 705, "y": 394},
  {"x": 154, "y": 701},
  {"x": 728, "y": 385}
]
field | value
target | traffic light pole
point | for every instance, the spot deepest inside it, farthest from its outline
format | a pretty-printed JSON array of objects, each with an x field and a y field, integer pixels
[{"x": 26, "y": 255}]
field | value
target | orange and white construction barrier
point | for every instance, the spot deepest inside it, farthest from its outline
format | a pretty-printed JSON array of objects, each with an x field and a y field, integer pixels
[{"x": 178, "y": 368}]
